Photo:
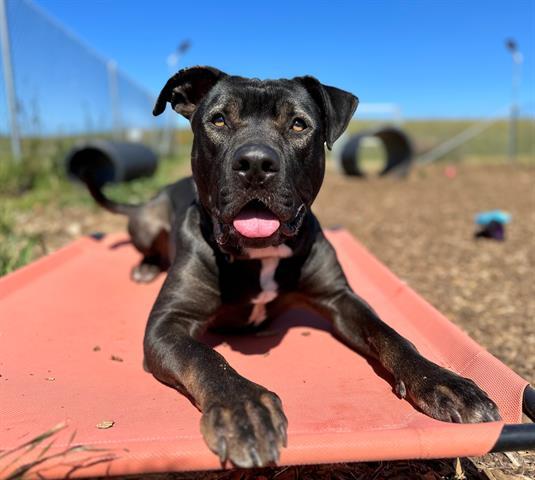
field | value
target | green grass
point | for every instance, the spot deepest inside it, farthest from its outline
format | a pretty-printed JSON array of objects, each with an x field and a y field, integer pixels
[
  {"x": 28, "y": 185},
  {"x": 52, "y": 186},
  {"x": 488, "y": 147},
  {"x": 15, "y": 250}
]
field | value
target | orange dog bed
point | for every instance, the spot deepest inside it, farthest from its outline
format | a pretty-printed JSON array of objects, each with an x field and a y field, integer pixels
[{"x": 75, "y": 400}]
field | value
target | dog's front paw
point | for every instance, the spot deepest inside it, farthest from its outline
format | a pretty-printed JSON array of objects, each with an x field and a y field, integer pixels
[
  {"x": 446, "y": 396},
  {"x": 249, "y": 430}
]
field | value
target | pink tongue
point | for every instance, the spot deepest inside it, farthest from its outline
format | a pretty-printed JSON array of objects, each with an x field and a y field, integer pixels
[{"x": 254, "y": 223}]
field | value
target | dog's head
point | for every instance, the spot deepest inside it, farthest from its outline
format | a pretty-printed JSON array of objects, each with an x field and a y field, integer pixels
[{"x": 258, "y": 156}]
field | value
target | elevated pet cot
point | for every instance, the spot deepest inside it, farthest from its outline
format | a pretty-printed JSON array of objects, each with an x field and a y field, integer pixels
[{"x": 75, "y": 400}]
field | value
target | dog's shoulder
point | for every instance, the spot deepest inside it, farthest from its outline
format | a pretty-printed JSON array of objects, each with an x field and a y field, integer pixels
[{"x": 181, "y": 193}]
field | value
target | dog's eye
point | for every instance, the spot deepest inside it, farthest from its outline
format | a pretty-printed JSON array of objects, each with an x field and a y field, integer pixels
[
  {"x": 218, "y": 120},
  {"x": 298, "y": 125}
]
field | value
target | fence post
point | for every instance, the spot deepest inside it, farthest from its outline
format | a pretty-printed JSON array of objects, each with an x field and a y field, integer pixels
[
  {"x": 114, "y": 98},
  {"x": 9, "y": 83}
]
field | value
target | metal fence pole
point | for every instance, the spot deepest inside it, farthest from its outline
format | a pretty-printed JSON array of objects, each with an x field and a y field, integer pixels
[
  {"x": 518, "y": 59},
  {"x": 114, "y": 99},
  {"x": 511, "y": 148},
  {"x": 513, "y": 121},
  {"x": 9, "y": 83}
]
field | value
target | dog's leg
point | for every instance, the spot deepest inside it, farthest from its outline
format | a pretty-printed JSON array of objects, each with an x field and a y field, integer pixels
[
  {"x": 438, "y": 392},
  {"x": 155, "y": 259},
  {"x": 149, "y": 227},
  {"x": 242, "y": 421}
]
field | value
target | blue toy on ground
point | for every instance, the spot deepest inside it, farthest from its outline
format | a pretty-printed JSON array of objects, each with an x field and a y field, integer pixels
[{"x": 493, "y": 224}]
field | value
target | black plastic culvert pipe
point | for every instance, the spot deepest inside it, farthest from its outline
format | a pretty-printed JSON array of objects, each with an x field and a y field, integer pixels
[
  {"x": 397, "y": 146},
  {"x": 106, "y": 161}
]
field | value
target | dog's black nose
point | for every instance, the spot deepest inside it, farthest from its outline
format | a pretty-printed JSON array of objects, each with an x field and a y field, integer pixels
[{"x": 255, "y": 163}]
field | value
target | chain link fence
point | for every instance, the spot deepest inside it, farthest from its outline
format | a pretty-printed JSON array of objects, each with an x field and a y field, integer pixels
[{"x": 63, "y": 91}]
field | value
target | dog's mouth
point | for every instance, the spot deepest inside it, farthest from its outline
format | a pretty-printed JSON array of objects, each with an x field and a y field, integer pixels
[
  {"x": 256, "y": 225},
  {"x": 255, "y": 220}
]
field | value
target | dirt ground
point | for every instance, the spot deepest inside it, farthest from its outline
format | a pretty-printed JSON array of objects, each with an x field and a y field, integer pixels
[{"x": 422, "y": 229}]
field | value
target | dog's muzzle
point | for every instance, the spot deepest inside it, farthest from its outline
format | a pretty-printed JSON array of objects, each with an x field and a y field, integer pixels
[{"x": 261, "y": 210}]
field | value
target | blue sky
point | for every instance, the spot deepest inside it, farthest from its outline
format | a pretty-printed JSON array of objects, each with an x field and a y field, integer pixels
[{"x": 433, "y": 58}]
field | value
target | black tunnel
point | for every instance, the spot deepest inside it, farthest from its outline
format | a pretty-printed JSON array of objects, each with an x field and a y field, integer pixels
[
  {"x": 106, "y": 161},
  {"x": 397, "y": 147}
]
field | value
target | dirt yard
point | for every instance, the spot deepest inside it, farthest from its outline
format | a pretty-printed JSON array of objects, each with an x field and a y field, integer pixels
[{"x": 422, "y": 229}]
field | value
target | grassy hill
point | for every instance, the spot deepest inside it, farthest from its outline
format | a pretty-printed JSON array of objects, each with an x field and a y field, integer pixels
[
  {"x": 489, "y": 146},
  {"x": 43, "y": 156}
]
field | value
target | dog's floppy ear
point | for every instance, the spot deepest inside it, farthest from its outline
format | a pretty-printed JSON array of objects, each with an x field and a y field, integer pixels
[
  {"x": 186, "y": 89},
  {"x": 337, "y": 106}
]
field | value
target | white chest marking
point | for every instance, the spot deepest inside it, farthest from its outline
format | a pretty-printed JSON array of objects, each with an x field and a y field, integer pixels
[{"x": 270, "y": 258}]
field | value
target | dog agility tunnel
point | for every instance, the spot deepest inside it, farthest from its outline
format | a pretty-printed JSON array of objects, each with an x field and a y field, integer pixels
[
  {"x": 76, "y": 401},
  {"x": 107, "y": 161},
  {"x": 395, "y": 142}
]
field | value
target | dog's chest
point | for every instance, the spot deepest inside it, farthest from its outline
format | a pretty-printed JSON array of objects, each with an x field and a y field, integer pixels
[
  {"x": 248, "y": 286},
  {"x": 268, "y": 292},
  {"x": 269, "y": 289}
]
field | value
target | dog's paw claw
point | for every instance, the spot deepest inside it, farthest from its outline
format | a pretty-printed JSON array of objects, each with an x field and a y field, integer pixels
[
  {"x": 222, "y": 450},
  {"x": 400, "y": 389},
  {"x": 283, "y": 435},
  {"x": 248, "y": 430},
  {"x": 275, "y": 454},
  {"x": 255, "y": 457}
]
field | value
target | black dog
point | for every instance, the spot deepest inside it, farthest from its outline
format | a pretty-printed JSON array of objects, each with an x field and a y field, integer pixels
[{"x": 242, "y": 239}]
